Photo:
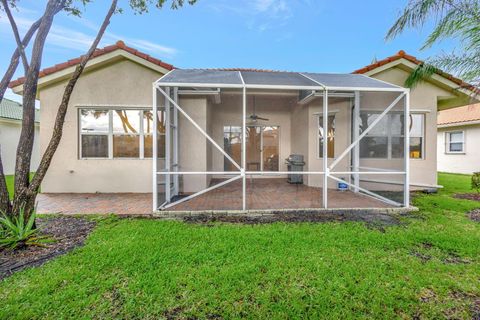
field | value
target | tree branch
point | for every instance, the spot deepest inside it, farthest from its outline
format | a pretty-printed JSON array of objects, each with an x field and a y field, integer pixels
[
  {"x": 62, "y": 110},
  {"x": 25, "y": 145},
  {"x": 13, "y": 24}
]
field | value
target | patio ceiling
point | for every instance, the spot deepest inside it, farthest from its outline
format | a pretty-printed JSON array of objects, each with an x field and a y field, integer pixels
[{"x": 273, "y": 80}]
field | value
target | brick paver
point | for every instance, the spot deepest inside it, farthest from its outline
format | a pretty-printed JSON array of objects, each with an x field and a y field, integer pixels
[{"x": 261, "y": 194}]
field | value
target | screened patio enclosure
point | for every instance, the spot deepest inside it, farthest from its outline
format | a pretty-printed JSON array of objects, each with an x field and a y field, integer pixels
[{"x": 221, "y": 137}]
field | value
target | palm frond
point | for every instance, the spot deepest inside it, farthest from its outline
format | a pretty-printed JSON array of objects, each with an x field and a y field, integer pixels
[
  {"x": 465, "y": 66},
  {"x": 416, "y": 14},
  {"x": 422, "y": 73}
]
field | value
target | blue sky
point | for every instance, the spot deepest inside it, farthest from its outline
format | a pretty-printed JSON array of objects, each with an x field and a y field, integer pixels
[{"x": 293, "y": 35}]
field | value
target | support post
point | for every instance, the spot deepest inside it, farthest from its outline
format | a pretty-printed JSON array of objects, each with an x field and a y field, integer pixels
[
  {"x": 325, "y": 149},
  {"x": 154, "y": 149},
  {"x": 244, "y": 149},
  {"x": 175, "y": 144},
  {"x": 168, "y": 166},
  {"x": 406, "y": 152},
  {"x": 355, "y": 133}
]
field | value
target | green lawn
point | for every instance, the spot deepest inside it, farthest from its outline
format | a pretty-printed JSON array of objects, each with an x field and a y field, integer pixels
[
  {"x": 428, "y": 267},
  {"x": 9, "y": 185}
]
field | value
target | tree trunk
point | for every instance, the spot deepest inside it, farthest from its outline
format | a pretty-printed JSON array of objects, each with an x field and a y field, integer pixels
[
  {"x": 47, "y": 157},
  {"x": 5, "y": 204},
  {"x": 25, "y": 145}
]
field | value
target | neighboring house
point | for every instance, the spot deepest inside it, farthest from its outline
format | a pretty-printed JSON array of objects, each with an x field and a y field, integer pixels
[
  {"x": 108, "y": 138},
  {"x": 459, "y": 139},
  {"x": 10, "y": 128}
]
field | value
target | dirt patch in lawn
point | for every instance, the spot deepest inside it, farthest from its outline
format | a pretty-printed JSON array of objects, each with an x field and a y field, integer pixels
[
  {"x": 462, "y": 305},
  {"x": 68, "y": 233},
  {"x": 474, "y": 215},
  {"x": 377, "y": 220},
  {"x": 468, "y": 196},
  {"x": 426, "y": 251}
]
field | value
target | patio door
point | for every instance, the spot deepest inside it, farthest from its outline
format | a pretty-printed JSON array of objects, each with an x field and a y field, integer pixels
[{"x": 262, "y": 147}]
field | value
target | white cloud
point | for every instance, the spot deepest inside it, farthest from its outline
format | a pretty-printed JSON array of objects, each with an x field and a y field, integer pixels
[
  {"x": 272, "y": 6},
  {"x": 73, "y": 39}
]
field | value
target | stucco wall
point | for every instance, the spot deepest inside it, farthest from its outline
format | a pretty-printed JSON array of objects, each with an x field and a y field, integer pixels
[
  {"x": 467, "y": 162},
  {"x": 423, "y": 98},
  {"x": 129, "y": 84},
  {"x": 192, "y": 153},
  {"x": 229, "y": 112},
  {"x": 125, "y": 84},
  {"x": 9, "y": 135}
]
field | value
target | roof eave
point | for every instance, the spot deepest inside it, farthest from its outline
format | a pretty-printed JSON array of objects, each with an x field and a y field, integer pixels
[
  {"x": 120, "y": 51},
  {"x": 463, "y": 95}
]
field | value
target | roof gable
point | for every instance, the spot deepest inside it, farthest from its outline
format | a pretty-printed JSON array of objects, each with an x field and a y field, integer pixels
[
  {"x": 103, "y": 55},
  {"x": 410, "y": 61}
]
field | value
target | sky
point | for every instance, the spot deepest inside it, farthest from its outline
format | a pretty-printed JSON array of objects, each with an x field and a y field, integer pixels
[{"x": 291, "y": 35}]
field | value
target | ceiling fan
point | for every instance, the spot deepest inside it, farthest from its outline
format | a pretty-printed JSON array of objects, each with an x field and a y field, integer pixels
[{"x": 254, "y": 117}]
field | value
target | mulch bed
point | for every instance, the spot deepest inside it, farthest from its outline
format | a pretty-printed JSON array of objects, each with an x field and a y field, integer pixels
[
  {"x": 468, "y": 196},
  {"x": 371, "y": 219},
  {"x": 68, "y": 233}
]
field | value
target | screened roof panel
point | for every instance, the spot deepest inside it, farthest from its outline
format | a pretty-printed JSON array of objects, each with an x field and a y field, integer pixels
[
  {"x": 348, "y": 80},
  {"x": 191, "y": 76},
  {"x": 277, "y": 78}
]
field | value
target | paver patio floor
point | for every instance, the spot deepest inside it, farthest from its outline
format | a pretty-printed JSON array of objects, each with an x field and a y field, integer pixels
[{"x": 261, "y": 194}]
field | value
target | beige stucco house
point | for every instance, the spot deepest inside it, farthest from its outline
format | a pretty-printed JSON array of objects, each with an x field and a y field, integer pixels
[
  {"x": 458, "y": 141},
  {"x": 10, "y": 128},
  {"x": 112, "y": 143}
]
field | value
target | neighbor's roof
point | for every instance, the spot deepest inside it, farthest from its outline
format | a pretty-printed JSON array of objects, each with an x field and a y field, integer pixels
[
  {"x": 460, "y": 115},
  {"x": 99, "y": 52},
  {"x": 253, "y": 78},
  {"x": 403, "y": 55},
  {"x": 13, "y": 110}
]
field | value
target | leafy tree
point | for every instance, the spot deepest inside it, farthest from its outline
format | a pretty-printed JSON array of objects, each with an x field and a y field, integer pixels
[
  {"x": 453, "y": 19},
  {"x": 25, "y": 190}
]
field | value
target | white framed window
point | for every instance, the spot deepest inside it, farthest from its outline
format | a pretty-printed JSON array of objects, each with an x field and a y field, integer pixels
[
  {"x": 455, "y": 142},
  {"x": 119, "y": 133},
  {"x": 386, "y": 139},
  {"x": 330, "y": 133}
]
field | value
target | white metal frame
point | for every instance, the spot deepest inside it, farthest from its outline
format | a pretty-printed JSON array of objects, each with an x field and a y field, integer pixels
[
  {"x": 110, "y": 134},
  {"x": 242, "y": 173}
]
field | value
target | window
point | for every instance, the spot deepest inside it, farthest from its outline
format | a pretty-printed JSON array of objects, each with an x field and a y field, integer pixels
[
  {"x": 232, "y": 144},
  {"x": 330, "y": 137},
  {"x": 455, "y": 142},
  {"x": 126, "y": 133},
  {"x": 120, "y": 133},
  {"x": 94, "y": 130},
  {"x": 386, "y": 139}
]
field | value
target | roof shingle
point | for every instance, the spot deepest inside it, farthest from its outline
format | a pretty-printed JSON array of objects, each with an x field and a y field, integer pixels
[
  {"x": 403, "y": 55},
  {"x": 13, "y": 110},
  {"x": 459, "y": 115},
  {"x": 99, "y": 52}
]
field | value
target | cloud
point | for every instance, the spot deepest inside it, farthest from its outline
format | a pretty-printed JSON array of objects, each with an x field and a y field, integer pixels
[
  {"x": 260, "y": 15},
  {"x": 73, "y": 39},
  {"x": 272, "y": 6}
]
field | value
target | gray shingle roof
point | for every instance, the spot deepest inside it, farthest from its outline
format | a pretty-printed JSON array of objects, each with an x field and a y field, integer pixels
[{"x": 10, "y": 109}]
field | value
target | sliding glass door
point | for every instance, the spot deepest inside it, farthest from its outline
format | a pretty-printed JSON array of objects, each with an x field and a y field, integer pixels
[{"x": 262, "y": 147}]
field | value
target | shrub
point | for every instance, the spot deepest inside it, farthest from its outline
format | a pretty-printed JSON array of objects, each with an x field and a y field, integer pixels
[
  {"x": 16, "y": 234},
  {"x": 476, "y": 181}
]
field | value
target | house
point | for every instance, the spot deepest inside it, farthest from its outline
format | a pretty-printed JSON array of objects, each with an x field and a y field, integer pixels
[
  {"x": 458, "y": 139},
  {"x": 10, "y": 128},
  {"x": 189, "y": 156}
]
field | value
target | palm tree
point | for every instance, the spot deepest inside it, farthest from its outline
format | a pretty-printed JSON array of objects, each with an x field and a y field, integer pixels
[{"x": 454, "y": 19}]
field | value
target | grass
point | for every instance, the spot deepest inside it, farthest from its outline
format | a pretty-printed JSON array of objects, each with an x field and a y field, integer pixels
[
  {"x": 427, "y": 267},
  {"x": 9, "y": 180}
]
